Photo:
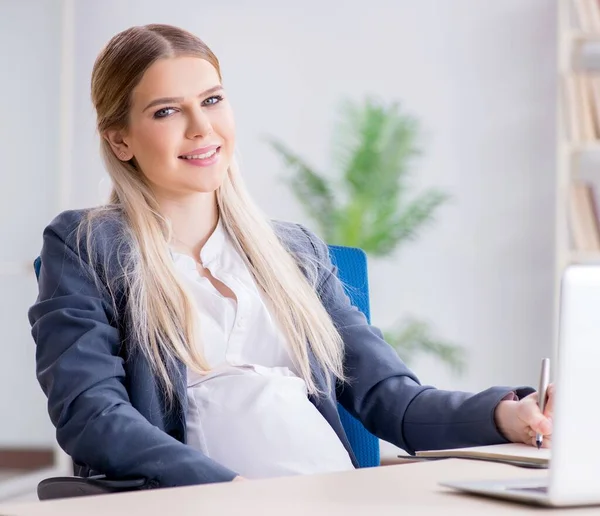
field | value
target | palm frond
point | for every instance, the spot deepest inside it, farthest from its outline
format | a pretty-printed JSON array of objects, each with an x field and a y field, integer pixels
[
  {"x": 371, "y": 123},
  {"x": 403, "y": 226},
  {"x": 310, "y": 188},
  {"x": 379, "y": 148},
  {"x": 345, "y": 138},
  {"x": 417, "y": 213},
  {"x": 413, "y": 337},
  {"x": 373, "y": 146}
]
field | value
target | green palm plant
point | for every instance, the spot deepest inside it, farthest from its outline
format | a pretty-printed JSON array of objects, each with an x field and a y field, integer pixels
[{"x": 367, "y": 203}]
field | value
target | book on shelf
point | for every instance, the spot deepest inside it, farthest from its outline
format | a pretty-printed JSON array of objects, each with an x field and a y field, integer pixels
[
  {"x": 571, "y": 109},
  {"x": 581, "y": 107},
  {"x": 583, "y": 217},
  {"x": 595, "y": 100},
  {"x": 588, "y": 124},
  {"x": 587, "y": 15}
]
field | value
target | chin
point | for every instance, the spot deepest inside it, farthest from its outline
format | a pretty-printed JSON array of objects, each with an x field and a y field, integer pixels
[
  {"x": 207, "y": 185},
  {"x": 206, "y": 180},
  {"x": 205, "y": 188}
]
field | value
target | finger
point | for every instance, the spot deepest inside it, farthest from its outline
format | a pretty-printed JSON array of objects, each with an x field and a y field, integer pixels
[
  {"x": 531, "y": 416},
  {"x": 531, "y": 438},
  {"x": 546, "y": 441},
  {"x": 541, "y": 424},
  {"x": 549, "y": 408}
]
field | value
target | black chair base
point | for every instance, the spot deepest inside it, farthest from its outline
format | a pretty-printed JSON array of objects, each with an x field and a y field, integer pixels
[{"x": 67, "y": 487}]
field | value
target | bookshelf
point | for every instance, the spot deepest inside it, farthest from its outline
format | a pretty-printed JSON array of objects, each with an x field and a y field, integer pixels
[
  {"x": 578, "y": 140},
  {"x": 577, "y": 208}
]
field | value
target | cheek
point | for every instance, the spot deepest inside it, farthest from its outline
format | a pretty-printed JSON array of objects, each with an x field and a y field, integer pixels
[
  {"x": 154, "y": 147},
  {"x": 224, "y": 125},
  {"x": 155, "y": 140}
]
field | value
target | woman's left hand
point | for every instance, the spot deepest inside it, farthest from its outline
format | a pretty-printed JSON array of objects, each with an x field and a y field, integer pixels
[{"x": 519, "y": 421}]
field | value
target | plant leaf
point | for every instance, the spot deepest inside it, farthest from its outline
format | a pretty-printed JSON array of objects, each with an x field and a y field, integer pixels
[
  {"x": 383, "y": 141},
  {"x": 373, "y": 145},
  {"x": 413, "y": 337},
  {"x": 310, "y": 188},
  {"x": 388, "y": 235}
]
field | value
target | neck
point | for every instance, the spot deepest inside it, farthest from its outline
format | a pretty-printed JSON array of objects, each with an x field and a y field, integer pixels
[{"x": 193, "y": 219}]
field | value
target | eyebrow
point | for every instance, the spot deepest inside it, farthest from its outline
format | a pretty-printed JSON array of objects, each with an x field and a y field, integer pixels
[{"x": 173, "y": 100}]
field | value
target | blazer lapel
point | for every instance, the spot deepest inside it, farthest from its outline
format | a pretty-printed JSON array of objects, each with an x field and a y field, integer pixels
[
  {"x": 326, "y": 404},
  {"x": 175, "y": 414}
]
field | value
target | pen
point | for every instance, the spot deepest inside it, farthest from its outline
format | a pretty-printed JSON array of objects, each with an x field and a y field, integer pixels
[{"x": 544, "y": 381}]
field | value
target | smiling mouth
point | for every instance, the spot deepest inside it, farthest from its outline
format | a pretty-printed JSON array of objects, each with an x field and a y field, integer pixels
[{"x": 200, "y": 157}]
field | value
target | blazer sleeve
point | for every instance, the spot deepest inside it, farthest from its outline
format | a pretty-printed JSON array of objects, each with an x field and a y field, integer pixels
[
  {"x": 83, "y": 377},
  {"x": 387, "y": 397}
]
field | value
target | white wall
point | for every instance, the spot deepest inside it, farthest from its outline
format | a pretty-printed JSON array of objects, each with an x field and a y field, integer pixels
[
  {"x": 29, "y": 93},
  {"x": 479, "y": 75},
  {"x": 481, "y": 78}
]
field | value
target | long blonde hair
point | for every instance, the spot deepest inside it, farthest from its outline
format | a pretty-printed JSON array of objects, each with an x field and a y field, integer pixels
[{"x": 161, "y": 315}]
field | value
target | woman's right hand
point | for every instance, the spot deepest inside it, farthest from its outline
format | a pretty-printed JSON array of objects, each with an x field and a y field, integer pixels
[{"x": 238, "y": 478}]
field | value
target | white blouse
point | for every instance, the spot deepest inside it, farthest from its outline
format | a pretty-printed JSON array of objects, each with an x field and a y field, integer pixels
[{"x": 251, "y": 413}]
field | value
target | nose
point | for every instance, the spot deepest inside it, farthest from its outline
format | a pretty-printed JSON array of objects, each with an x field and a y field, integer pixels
[{"x": 198, "y": 124}]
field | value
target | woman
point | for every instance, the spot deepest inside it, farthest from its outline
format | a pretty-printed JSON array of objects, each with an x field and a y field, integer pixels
[{"x": 184, "y": 338}]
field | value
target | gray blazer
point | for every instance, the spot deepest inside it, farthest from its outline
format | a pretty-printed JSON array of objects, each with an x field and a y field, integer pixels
[{"x": 111, "y": 417}]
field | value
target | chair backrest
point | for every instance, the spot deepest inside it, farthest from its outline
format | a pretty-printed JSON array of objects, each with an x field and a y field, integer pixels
[
  {"x": 352, "y": 271},
  {"x": 37, "y": 265}
]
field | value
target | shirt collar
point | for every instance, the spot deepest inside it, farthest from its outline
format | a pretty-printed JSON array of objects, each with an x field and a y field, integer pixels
[
  {"x": 213, "y": 247},
  {"x": 210, "y": 252}
]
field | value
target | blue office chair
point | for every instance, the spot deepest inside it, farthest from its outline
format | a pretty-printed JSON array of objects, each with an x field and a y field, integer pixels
[{"x": 352, "y": 271}]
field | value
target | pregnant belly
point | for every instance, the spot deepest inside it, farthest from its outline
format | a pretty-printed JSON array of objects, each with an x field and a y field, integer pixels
[{"x": 260, "y": 423}]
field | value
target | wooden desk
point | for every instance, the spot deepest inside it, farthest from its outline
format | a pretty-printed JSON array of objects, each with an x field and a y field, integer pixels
[{"x": 409, "y": 489}]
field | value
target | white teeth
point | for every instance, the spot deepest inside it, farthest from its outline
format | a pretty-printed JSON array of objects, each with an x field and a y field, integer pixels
[{"x": 201, "y": 156}]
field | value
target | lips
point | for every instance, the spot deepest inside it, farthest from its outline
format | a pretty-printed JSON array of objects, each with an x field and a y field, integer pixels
[
  {"x": 200, "y": 153},
  {"x": 204, "y": 157}
]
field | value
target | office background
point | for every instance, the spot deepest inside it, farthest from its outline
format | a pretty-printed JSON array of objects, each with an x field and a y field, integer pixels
[{"x": 479, "y": 76}]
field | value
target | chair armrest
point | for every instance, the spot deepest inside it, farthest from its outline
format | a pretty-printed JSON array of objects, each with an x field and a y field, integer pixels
[{"x": 67, "y": 487}]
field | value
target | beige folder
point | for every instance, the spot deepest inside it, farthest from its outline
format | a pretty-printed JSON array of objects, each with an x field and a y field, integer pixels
[{"x": 511, "y": 452}]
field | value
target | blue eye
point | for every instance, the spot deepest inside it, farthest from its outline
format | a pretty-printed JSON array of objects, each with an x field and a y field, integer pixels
[
  {"x": 164, "y": 112},
  {"x": 215, "y": 98}
]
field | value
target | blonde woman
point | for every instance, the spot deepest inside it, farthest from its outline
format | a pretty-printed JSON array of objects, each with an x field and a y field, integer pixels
[{"x": 184, "y": 338}]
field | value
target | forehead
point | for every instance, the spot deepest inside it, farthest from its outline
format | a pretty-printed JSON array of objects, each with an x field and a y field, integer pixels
[{"x": 176, "y": 77}]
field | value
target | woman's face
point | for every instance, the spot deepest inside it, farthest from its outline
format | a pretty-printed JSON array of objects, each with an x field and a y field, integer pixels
[{"x": 181, "y": 130}]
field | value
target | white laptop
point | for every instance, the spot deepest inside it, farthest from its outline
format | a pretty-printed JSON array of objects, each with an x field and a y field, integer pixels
[{"x": 574, "y": 470}]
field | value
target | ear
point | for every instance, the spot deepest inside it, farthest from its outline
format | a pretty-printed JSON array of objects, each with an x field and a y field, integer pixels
[{"x": 119, "y": 146}]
